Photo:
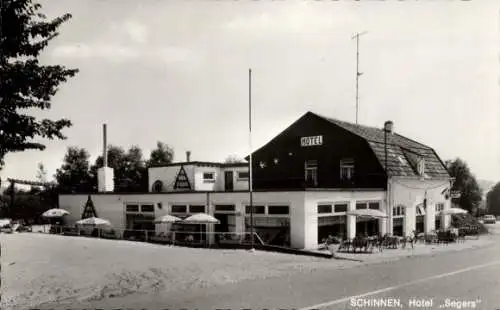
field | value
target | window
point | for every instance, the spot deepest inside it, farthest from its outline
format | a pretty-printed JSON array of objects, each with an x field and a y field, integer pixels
[
  {"x": 132, "y": 208},
  {"x": 311, "y": 172},
  {"x": 225, "y": 208},
  {"x": 157, "y": 186},
  {"x": 346, "y": 169},
  {"x": 374, "y": 205},
  {"x": 196, "y": 209},
  {"x": 243, "y": 175},
  {"x": 208, "y": 177},
  {"x": 439, "y": 207},
  {"x": 421, "y": 167},
  {"x": 324, "y": 209},
  {"x": 398, "y": 211},
  {"x": 341, "y": 207},
  {"x": 256, "y": 210},
  {"x": 179, "y": 209},
  {"x": 147, "y": 208},
  {"x": 420, "y": 210},
  {"x": 278, "y": 210},
  {"x": 361, "y": 205}
]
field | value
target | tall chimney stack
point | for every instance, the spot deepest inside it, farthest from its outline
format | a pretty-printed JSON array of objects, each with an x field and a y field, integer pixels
[
  {"x": 388, "y": 126},
  {"x": 188, "y": 156},
  {"x": 105, "y": 174},
  {"x": 105, "y": 145}
]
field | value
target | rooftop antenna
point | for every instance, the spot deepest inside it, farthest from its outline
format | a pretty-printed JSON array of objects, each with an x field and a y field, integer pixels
[{"x": 358, "y": 74}]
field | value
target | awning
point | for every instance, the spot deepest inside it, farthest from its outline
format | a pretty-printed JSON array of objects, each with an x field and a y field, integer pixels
[
  {"x": 369, "y": 213},
  {"x": 452, "y": 211}
]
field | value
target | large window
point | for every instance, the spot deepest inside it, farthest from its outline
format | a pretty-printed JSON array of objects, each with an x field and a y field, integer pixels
[
  {"x": 324, "y": 209},
  {"x": 361, "y": 205},
  {"x": 256, "y": 209},
  {"x": 209, "y": 177},
  {"x": 132, "y": 208},
  {"x": 196, "y": 209},
  {"x": 179, "y": 209},
  {"x": 278, "y": 210},
  {"x": 225, "y": 208},
  {"x": 147, "y": 208},
  {"x": 346, "y": 169},
  {"x": 340, "y": 207},
  {"x": 311, "y": 172},
  {"x": 398, "y": 211},
  {"x": 439, "y": 207},
  {"x": 243, "y": 175}
]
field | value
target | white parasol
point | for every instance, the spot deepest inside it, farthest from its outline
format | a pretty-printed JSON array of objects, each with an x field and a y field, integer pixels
[
  {"x": 167, "y": 219},
  {"x": 201, "y": 218},
  {"x": 95, "y": 221},
  {"x": 55, "y": 213}
]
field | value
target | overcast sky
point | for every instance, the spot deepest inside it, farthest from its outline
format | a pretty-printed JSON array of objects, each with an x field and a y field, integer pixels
[{"x": 177, "y": 71}]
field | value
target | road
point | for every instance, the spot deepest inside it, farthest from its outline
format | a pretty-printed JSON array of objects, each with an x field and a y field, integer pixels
[{"x": 468, "y": 279}]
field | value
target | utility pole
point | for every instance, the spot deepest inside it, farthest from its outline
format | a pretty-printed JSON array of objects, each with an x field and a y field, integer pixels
[
  {"x": 250, "y": 165},
  {"x": 358, "y": 74}
]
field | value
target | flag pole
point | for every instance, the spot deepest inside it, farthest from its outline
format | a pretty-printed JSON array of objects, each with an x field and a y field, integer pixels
[{"x": 250, "y": 179}]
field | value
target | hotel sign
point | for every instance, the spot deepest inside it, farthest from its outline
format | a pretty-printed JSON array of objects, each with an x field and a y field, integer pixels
[{"x": 311, "y": 141}]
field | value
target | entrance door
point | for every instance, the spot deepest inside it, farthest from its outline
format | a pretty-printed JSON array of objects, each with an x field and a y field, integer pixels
[
  {"x": 224, "y": 223},
  {"x": 228, "y": 181}
]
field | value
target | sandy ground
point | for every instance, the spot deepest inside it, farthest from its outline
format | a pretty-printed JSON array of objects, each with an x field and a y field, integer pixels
[{"x": 41, "y": 268}]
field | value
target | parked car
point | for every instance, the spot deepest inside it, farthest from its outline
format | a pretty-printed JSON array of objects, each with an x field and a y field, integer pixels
[{"x": 489, "y": 219}]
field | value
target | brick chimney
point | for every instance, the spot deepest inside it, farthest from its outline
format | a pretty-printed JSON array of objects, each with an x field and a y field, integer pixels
[{"x": 188, "y": 156}]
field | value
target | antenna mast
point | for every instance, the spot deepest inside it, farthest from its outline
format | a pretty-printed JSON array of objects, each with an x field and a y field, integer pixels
[{"x": 358, "y": 74}]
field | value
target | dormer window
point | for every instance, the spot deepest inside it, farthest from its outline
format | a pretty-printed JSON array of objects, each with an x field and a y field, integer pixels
[
  {"x": 421, "y": 167},
  {"x": 208, "y": 177},
  {"x": 346, "y": 169}
]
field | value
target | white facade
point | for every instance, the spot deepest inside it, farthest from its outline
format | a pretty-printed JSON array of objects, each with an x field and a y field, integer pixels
[
  {"x": 195, "y": 173},
  {"x": 409, "y": 193},
  {"x": 303, "y": 206}
]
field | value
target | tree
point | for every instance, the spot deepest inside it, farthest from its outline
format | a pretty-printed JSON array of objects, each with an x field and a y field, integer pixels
[
  {"x": 466, "y": 184},
  {"x": 233, "y": 159},
  {"x": 74, "y": 175},
  {"x": 493, "y": 200},
  {"x": 162, "y": 155},
  {"x": 25, "y": 84}
]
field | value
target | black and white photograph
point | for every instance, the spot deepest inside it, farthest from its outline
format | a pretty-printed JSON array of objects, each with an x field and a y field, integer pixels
[{"x": 249, "y": 154}]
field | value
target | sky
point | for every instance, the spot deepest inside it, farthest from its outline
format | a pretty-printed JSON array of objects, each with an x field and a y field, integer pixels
[{"x": 177, "y": 72}]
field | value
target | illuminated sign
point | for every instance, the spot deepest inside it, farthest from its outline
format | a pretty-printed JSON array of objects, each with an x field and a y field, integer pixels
[{"x": 311, "y": 141}]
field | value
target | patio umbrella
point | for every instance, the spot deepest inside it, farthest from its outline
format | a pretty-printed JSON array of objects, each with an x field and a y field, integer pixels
[
  {"x": 452, "y": 211},
  {"x": 55, "y": 213},
  {"x": 201, "y": 218},
  {"x": 167, "y": 219},
  {"x": 95, "y": 221},
  {"x": 367, "y": 213}
]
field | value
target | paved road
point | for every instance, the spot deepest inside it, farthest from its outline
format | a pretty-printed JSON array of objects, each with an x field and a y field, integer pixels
[{"x": 470, "y": 276}]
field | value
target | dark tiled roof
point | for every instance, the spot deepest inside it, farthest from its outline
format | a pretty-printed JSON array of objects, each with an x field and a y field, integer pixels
[{"x": 400, "y": 151}]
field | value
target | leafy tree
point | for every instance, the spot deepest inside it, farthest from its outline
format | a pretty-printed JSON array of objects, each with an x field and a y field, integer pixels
[
  {"x": 466, "y": 184},
  {"x": 74, "y": 176},
  {"x": 493, "y": 200},
  {"x": 233, "y": 159},
  {"x": 25, "y": 84},
  {"x": 162, "y": 155}
]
